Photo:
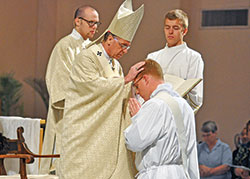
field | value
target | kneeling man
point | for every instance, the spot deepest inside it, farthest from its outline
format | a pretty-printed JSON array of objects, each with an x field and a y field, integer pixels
[{"x": 162, "y": 132}]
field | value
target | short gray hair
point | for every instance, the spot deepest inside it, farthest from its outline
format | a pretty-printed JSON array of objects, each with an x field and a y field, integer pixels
[{"x": 209, "y": 126}]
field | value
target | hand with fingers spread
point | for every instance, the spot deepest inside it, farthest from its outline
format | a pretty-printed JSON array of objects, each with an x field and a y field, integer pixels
[
  {"x": 133, "y": 71},
  {"x": 134, "y": 106}
]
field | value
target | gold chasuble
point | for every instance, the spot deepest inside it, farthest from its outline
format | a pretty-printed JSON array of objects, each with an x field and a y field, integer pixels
[
  {"x": 57, "y": 77},
  {"x": 93, "y": 145}
]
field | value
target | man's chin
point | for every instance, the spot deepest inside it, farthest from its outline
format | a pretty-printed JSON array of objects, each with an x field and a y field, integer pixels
[{"x": 90, "y": 36}]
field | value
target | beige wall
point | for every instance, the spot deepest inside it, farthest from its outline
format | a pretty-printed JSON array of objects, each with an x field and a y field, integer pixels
[
  {"x": 18, "y": 46},
  {"x": 227, "y": 79},
  {"x": 30, "y": 28}
]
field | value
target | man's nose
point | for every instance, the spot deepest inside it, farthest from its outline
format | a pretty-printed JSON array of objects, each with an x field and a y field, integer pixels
[
  {"x": 94, "y": 26},
  {"x": 171, "y": 30}
]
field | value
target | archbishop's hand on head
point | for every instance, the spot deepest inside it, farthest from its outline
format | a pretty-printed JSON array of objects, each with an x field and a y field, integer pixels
[{"x": 133, "y": 71}]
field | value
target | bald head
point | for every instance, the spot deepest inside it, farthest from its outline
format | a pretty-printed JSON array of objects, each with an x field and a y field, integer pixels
[{"x": 81, "y": 11}]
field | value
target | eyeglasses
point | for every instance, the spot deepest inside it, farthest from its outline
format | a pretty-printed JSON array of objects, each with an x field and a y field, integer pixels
[
  {"x": 123, "y": 46},
  {"x": 90, "y": 23},
  {"x": 135, "y": 83}
]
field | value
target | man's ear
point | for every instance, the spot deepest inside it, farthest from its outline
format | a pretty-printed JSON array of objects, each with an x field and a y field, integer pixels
[
  {"x": 184, "y": 32},
  {"x": 77, "y": 22},
  {"x": 146, "y": 78},
  {"x": 110, "y": 39}
]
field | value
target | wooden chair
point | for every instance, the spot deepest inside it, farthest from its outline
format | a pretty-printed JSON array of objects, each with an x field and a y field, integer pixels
[{"x": 17, "y": 148}]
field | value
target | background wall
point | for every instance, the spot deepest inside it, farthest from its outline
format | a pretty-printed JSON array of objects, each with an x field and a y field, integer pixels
[{"x": 30, "y": 28}]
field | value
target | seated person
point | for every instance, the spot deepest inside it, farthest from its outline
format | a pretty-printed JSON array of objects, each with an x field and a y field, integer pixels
[
  {"x": 213, "y": 155},
  {"x": 241, "y": 139},
  {"x": 241, "y": 156},
  {"x": 243, "y": 136},
  {"x": 158, "y": 128}
]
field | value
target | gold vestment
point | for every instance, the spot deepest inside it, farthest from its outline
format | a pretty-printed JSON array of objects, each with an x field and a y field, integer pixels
[
  {"x": 95, "y": 116},
  {"x": 57, "y": 77}
]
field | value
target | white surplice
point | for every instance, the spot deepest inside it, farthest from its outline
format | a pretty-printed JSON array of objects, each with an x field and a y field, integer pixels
[
  {"x": 185, "y": 63},
  {"x": 153, "y": 136}
]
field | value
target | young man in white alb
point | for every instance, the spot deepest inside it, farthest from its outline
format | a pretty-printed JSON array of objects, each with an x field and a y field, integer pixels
[{"x": 177, "y": 58}]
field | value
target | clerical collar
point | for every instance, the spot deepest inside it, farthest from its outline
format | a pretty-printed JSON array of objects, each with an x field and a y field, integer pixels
[
  {"x": 167, "y": 87},
  {"x": 110, "y": 60},
  {"x": 76, "y": 35},
  {"x": 105, "y": 54}
]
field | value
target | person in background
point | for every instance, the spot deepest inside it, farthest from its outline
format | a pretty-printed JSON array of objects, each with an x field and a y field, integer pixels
[
  {"x": 241, "y": 157},
  {"x": 176, "y": 58},
  {"x": 244, "y": 137},
  {"x": 214, "y": 155},
  {"x": 159, "y": 127},
  {"x": 86, "y": 22}
]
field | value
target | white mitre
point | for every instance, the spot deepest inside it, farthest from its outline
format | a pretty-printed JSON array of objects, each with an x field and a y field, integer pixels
[{"x": 125, "y": 22}]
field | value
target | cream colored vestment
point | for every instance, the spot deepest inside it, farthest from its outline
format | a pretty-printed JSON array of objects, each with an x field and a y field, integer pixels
[
  {"x": 93, "y": 145},
  {"x": 57, "y": 76}
]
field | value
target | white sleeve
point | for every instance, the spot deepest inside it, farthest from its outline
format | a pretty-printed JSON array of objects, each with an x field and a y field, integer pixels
[
  {"x": 152, "y": 56},
  {"x": 195, "y": 96},
  {"x": 146, "y": 127}
]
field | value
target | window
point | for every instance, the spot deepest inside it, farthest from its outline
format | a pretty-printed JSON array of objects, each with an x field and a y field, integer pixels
[{"x": 230, "y": 17}]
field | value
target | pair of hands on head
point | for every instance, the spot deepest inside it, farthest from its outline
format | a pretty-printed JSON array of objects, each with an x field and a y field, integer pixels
[{"x": 133, "y": 71}]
